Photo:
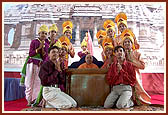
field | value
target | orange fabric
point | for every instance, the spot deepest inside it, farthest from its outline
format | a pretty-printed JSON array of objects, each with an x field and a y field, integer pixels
[
  {"x": 106, "y": 65},
  {"x": 140, "y": 96},
  {"x": 85, "y": 65},
  {"x": 103, "y": 56},
  {"x": 117, "y": 41}
]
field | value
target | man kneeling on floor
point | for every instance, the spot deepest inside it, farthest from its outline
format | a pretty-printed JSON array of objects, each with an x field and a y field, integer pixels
[
  {"x": 52, "y": 74},
  {"x": 121, "y": 77}
]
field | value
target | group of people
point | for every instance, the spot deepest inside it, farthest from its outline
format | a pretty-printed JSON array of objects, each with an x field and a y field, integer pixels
[{"x": 44, "y": 72}]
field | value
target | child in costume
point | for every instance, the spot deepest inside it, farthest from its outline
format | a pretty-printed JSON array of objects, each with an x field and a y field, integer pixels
[{"x": 32, "y": 65}]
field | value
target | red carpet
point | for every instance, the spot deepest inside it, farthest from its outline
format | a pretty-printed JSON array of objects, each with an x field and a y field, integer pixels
[
  {"x": 152, "y": 83},
  {"x": 20, "y": 104},
  {"x": 15, "y": 105},
  {"x": 157, "y": 99}
]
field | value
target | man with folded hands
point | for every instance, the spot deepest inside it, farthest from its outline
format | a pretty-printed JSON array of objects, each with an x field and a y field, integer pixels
[{"x": 52, "y": 74}]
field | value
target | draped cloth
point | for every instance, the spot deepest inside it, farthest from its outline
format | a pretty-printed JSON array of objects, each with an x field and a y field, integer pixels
[
  {"x": 23, "y": 72},
  {"x": 140, "y": 96},
  {"x": 55, "y": 98},
  {"x": 32, "y": 82},
  {"x": 90, "y": 44}
]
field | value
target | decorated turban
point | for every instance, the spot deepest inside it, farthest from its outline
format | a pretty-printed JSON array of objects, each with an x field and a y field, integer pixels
[
  {"x": 65, "y": 42},
  {"x": 121, "y": 18},
  {"x": 67, "y": 25},
  {"x": 43, "y": 28},
  {"x": 53, "y": 27},
  {"x": 107, "y": 43},
  {"x": 101, "y": 33},
  {"x": 127, "y": 33},
  {"x": 84, "y": 43},
  {"x": 58, "y": 44},
  {"x": 109, "y": 24}
]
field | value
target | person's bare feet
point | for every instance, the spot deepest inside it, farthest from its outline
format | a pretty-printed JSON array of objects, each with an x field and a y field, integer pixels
[{"x": 43, "y": 103}]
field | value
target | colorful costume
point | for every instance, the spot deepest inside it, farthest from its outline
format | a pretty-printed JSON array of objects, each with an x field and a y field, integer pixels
[
  {"x": 107, "y": 43},
  {"x": 68, "y": 45},
  {"x": 83, "y": 53},
  {"x": 67, "y": 26},
  {"x": 31, "y": 68},
  {"x": 48, "y": 42},
  {"x": 140, "y": 95},
  {"x": 101, "y": 34},
  {"x": 109, "y": 24},
  {"x": 121, "y": 18}
]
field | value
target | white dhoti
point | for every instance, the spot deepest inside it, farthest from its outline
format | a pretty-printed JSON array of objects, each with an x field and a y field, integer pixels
[
  {"x": 55, "y": 98},
  {"x": 32, "y": 82}
]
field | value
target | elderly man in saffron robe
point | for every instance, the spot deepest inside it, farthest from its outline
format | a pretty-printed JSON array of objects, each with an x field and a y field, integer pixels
[{"x": 89, "y": 63}]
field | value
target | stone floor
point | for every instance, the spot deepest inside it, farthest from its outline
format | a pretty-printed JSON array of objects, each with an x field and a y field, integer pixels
[{"x": 91, "y": 108}]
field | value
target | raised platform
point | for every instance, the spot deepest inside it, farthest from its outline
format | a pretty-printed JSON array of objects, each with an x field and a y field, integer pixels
[{"x": 86, "y": 84}]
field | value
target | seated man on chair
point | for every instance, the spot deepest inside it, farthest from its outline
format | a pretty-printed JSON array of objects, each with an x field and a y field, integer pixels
[
  {"x": 52, "y": 74},
  {"x": 89, "y": 62}
]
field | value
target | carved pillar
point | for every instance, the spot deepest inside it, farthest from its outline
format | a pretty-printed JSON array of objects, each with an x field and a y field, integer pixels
[
  {"x": 27, "y": 34},
  {"x": 6, "y": 32},
  {"x": 32, "y": 30},
  {"x": 135, "y": 29},
  {"x": 95, "y": 42},
  {"x": 17, "y": 36},
  {"x": 77, "y": 40}
]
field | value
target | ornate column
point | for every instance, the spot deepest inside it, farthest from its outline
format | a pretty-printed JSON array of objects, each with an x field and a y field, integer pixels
[
  {"x": 17, "y": 36},
  {"x": 26, "y": 35},
  {"x": 6, "y": 31},
  {"x": 77, "y": 40},
  {"x": 95, "y": 42}
]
